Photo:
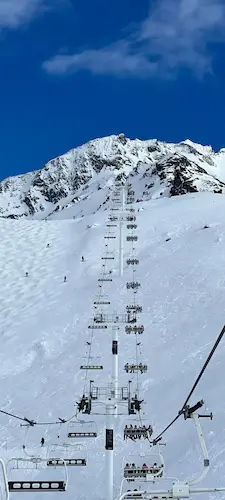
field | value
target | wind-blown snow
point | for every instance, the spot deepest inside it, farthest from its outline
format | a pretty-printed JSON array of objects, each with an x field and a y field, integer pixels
[{"x": 44, "y": 329}]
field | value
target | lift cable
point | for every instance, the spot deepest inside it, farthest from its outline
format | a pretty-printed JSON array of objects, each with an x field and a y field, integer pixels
[
  {"x": 181, "y": 412},
  {"x": 32, "y": 423},
  {"x": 104, "y": 273}
]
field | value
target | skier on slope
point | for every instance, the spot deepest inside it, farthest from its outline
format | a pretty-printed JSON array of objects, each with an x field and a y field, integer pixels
[
  {"x": 82, "y": 258},
  {"x": 42, "y": 442},
  {"x": 65, "y": 279}
]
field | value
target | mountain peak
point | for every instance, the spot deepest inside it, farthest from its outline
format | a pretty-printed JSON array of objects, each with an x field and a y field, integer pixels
[{"x": 79, "y": 181}]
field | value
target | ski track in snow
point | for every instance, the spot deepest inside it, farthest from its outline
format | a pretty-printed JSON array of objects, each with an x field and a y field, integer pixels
[{"x": 44, "y": 328}]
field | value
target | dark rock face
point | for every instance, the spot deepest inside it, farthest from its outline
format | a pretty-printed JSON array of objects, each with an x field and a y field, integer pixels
[
  {"x": 181, "y": 185},
  {"x": 160, "y": 169}
]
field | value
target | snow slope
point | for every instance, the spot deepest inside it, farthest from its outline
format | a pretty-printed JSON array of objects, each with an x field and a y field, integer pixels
[
  {"x": 44, "y": 329},
  {"x": 73, "y": 179}
]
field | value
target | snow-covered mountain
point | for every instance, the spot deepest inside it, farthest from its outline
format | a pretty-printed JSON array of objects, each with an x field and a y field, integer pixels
[{"x": 163, "y": 170}]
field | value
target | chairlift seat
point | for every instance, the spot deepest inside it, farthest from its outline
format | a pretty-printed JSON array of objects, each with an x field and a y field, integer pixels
[
  {"x": 134, "y": 308},
  {"x": 134, "y": 495},
  {"x": 133, "y": 284},
  {"x": 132, "y": 238},
  {"x": 58, "y": 462},
  {"x": 102, "y": 302},
  {"x": 82, "y": 434},
  {"x": 91, "y": 367},
  {"x": 138, "y": 433},
  {"x": 31, "y": 486},
  {"x": 141, "y": 472},
  {"x": 134, "y": 368},
  {"x": 97, "y": 326},
  {"x": 134, "y": 329}
]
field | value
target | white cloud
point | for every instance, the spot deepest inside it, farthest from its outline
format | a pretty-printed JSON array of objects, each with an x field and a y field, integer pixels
[
  {"x": 176, "y": 33},
  {"x": 13, "y": 13},
  {"x": 116, "y": 59}
]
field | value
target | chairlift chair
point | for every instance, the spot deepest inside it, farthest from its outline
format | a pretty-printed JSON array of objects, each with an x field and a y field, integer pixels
[
  {"x": 72, "y": 454},
  {"x": 135, "y": 368},
  {"x": 132, "y": 238},
  {"x": 34, "y": 465},
  {"x": 134, "y": 329},
  {"x": 144, "y": 466},
  {"x": 137, "y": 493},
  {"x": 138, "y": 429},
  {"x": 94, "y": 327},
  {"x": 82, "y": 430},
  {"x": 133, "y": 284},
  {"x": 135, "y": 308},
  {"x": 91, "y": 367},
  {"x": 131, "y": 218},
  {"x": 91, "y": 363}
]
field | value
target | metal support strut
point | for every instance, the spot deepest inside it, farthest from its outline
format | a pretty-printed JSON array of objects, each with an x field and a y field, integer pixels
[{"x": 110, "y": 409}]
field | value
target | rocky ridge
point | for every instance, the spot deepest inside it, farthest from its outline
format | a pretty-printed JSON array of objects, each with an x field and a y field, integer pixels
[{"x": 156, "y": 168}]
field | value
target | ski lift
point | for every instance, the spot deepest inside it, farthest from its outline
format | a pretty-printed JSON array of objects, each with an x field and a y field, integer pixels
[
  {"x": 91, "y": 364},
  {"x": 138, "y": 430},
  {"x": 101, "y": 303},
  {"x": 34, "y": 465},
  {"x": 100, "y": 317},
  {"x": 133, "y": 284},
  {"x": 132, "y": 238},
  {"x": 131, "y": 218},
  {"x": 135, "y": 368},
  {"x": 97, "y": 326},
  {"x": 146, "y": 467},
  {"x": 132, "y": 262},
  {"x": 135, "y": 493},
  {"x": 134, "y": 329},
  {"x": 91, "y": 367},
  {"x": 104, "y": 279},
  {"x": 82, "y": 429},
  {"x": 131, "y": 226},
  {"x": 67, "y": 452},
  {"x": 135, "y": 308}
]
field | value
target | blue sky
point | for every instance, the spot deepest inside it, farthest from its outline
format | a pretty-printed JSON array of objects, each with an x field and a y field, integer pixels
[{"x": 75, "y": 70}]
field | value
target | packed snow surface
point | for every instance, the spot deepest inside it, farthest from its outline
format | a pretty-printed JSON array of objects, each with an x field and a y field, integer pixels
[{"x": 44, "y": 330}]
